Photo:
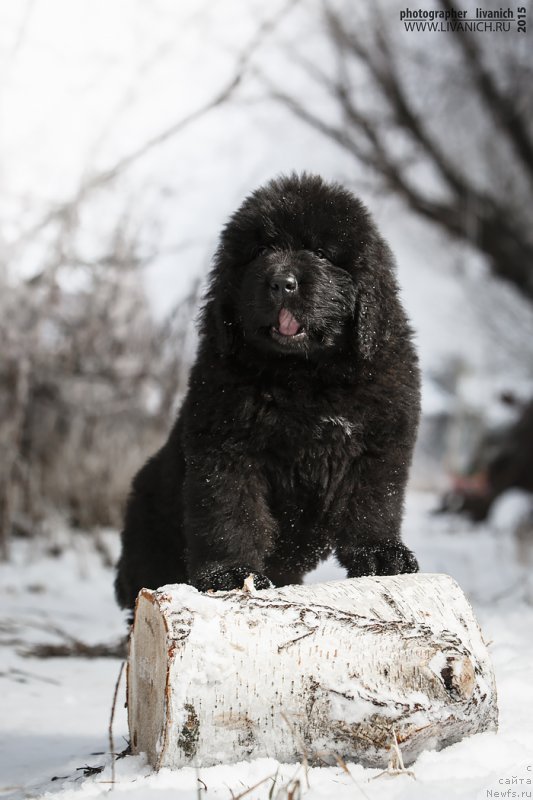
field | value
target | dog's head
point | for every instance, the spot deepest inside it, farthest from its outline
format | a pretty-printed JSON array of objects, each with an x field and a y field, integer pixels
[{"x": 301, "y": 270}]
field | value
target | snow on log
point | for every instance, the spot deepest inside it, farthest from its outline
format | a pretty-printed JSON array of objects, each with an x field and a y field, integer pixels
[{"x": 324, "y": 670}]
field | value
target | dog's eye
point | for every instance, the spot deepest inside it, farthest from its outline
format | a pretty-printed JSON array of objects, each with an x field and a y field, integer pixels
[
  {"x": 321, "y": 254},
  {"x": 260, "y": 251}
]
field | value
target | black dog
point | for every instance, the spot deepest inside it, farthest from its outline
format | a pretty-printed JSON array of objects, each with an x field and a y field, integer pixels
[{"x": 296, "y": 434}]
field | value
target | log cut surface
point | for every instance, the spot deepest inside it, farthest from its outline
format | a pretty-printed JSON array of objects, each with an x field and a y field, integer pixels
[{"x": 325, "y": 670}]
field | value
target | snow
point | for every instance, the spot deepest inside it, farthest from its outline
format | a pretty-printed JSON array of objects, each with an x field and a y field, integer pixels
[
  {"x": 82, "y": 87},
  {"x": 513, "y": 507},
  {"x": 56, "y": 711}
]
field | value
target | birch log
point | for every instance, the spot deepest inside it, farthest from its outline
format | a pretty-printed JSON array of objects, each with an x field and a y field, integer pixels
[{"x": 334, "y": 669}]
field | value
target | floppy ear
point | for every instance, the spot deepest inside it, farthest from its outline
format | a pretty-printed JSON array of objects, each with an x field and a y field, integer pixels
[
  {"x": 217, "y": 320},
  {"x": 368, "y": 321},
  {"x": 226, "y": 326},
  {"x": 377, "y": 301}
]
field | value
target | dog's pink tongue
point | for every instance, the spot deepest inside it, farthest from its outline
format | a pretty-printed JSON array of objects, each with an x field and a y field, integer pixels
[{"x": 287, "y": 324}]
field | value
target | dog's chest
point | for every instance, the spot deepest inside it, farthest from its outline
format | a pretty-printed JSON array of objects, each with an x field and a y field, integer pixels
[{"x": 310, "y": 435}]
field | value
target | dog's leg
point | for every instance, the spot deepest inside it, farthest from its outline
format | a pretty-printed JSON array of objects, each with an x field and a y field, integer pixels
[
  {"x": 367, "y": 526},
  {"x": 228, "y": 524},
  {"x": 153, "y": 550}
]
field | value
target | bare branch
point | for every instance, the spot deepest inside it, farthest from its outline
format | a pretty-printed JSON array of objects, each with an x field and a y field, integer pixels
[
  {"x": 482, "y": 216},
  {"x": 66, "y": 210},
  {"x": 498, "y": 102},
  {"x": 380, "y": 62}
]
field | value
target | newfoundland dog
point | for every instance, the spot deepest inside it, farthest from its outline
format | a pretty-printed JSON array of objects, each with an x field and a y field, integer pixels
[{"x": 296, "y": 434}]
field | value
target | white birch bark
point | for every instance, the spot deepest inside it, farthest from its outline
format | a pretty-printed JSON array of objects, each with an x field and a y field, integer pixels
[{"x": 316, "y": 671}]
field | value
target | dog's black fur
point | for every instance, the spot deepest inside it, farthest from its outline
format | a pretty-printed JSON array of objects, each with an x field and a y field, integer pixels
[{"x": 296, "y": 434}]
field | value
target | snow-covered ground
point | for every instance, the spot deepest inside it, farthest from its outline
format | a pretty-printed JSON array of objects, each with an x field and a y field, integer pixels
[
  {"x": 55, "y": 712},
  {"x": 83, "y": 85}
]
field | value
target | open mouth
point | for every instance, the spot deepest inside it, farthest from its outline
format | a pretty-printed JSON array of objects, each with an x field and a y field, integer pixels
[{"x": 288, "y": 327}]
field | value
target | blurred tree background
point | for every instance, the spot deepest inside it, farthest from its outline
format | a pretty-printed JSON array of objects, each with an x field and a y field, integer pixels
[
  {"x": 130, "y": 130},
  {"x": 450, "y": 132}
]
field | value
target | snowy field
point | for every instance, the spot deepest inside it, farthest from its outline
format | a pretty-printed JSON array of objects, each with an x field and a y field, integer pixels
[
  {"x": 55, "y": 712},
  {"x": 84, "y": 85}
]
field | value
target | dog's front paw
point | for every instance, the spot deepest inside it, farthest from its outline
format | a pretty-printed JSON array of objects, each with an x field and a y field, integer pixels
[
  {"x": 224, "y": 578},
  {"x": 388, "y": 557}
]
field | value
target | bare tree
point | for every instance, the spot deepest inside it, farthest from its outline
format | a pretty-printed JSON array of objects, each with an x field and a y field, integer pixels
[
  {"x": 446, "y": 125},
  {"x": 87, "y": 378}
]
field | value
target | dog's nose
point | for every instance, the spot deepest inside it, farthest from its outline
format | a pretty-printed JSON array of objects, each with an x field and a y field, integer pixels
[{"x": 284, "y": 284}]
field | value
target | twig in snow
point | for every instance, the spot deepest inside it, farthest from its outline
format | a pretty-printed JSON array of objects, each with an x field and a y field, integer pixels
[
  {"x": 294, "y": 790},
  {"x": 76, "y": 649},
  {"x": 89, "y": 771},
  {"x": 111, "y": 719},
  {"x": 343, "y": 765},
  {"x": 396, "y": 765},
  {"x": 251, "y": 788},
  {"x": 22, "y": 676},
  {"x": 274, "y": 781},
  {"x": 305, "y": 759},
  {"x": 71, "y": 646}
]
